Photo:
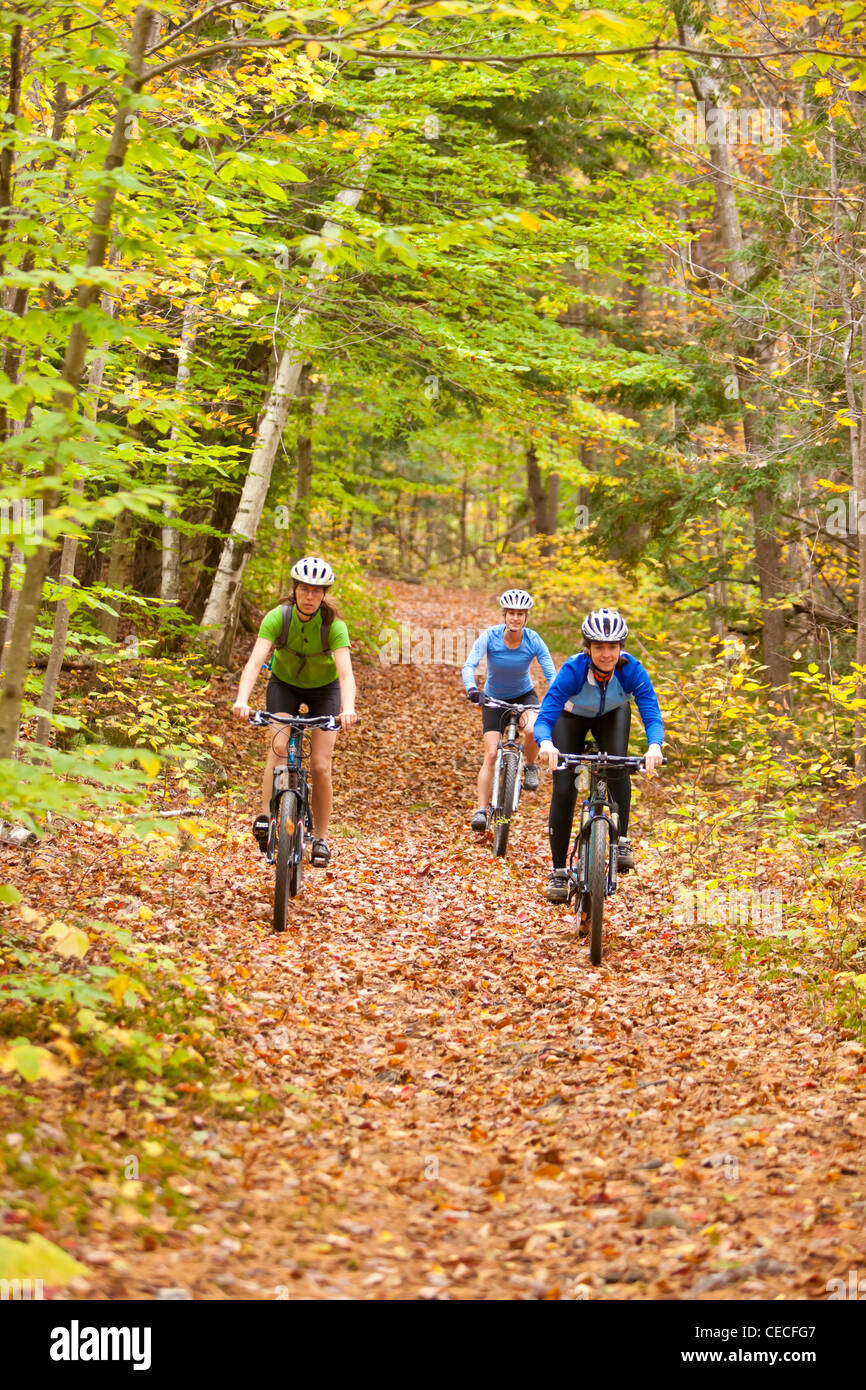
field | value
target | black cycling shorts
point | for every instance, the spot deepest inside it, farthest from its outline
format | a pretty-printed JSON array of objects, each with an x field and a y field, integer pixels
[
  {"x": 491, "y": 715},
  {"x": 287, "y": 699}
]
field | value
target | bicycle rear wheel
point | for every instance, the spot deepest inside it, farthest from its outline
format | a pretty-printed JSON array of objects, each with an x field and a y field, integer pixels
[
  {"x": 597, "y": 878},
  {"x": 287, "y": 816},
  {"x": 503, "y": 811}
]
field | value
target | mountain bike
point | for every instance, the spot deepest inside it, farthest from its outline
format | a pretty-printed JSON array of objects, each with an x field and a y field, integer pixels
[
  {"x": 508, "y": 774},
  {"x": 592, "y": 863},
  {"x": 290, "y": 807}
]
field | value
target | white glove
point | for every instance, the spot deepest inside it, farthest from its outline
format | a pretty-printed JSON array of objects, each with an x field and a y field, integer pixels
[
  {"x": 653, "y": 758},
  {"x": 548, "y": 754}
]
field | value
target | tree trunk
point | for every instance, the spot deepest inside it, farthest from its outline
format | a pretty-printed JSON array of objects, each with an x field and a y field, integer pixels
[
  {"x": 121, "y": 554},
  {"x": 219, "y": 621},
  {"x": 857, "y": 436},
  {"x": 463, "y": 510},
  {"x": 9, "y": 599},
  {"x": 117, "y": 576},
  {"x": 304, "y": 465},
  {"x": 860, "y": 491},
  {"x": 67, "y": 571},
  {"x": 544, "y": 499},
  {"x": 30, "y": 596},
  {"x": 749, "y": 343},
  {"x": 170, "y": 577}
]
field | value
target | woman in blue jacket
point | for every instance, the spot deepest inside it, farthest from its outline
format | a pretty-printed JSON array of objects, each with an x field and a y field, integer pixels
[
  {"x": 509, "y": 649},
  {"x": 593, "y": 691}
]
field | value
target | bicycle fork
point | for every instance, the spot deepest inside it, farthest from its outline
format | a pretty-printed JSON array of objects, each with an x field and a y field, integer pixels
[
  {"x": 587, "y": 820},
  {"x": 494, "y": 796}
]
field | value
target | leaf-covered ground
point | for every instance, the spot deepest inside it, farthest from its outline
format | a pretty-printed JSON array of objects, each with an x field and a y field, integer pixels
[{"x": 426, "y": 1090}]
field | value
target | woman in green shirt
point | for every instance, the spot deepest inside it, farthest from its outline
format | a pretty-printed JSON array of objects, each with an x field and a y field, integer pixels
[{"x": 312, "y": 666}]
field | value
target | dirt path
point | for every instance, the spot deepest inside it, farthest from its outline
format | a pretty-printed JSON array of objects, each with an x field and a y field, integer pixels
[{"x": 467, "y": 1109}]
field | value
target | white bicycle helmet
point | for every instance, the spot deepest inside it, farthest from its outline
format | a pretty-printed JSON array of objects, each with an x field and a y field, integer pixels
[
  {"x": 604, "y": 625},
  {"x": 312, "y": 570},
  {"x": 516, "y": 598}
]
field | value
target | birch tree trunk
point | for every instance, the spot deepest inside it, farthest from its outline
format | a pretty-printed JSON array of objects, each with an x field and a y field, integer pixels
[
  {"x": 304, "y": 460},
  {"x": 30, "y": 595},
  {"x": 220, "y": 617}
]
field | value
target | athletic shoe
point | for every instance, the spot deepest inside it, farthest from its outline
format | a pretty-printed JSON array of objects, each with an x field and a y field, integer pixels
[
  {"x": 624, "y": 857},
  {"x": 557, "y": 887},
  {"x": 530, "y": 778},
  {"x": 479, "y": 822},
  {"x": 320, "y": 855},
  {"x": 261, "y": 831}
]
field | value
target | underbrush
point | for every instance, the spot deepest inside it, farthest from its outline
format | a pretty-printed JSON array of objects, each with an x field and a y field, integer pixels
[{"x": 83, "y": 995}]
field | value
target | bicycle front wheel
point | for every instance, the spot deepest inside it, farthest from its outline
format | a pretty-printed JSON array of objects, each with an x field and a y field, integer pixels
[
  {"x": 597, "y": 879},
  {"x": 505, "y": 802},
  {"x": 296, "y": 871},
  {"x": 287, "y": 817}
]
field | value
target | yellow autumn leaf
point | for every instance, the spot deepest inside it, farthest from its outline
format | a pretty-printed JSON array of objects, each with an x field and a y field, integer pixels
[
  {"x": 38, "y": 1259},
  {"x": 149, "y": 763},
  {"x": 68, "y": 941},
  {"x": 117, "y": 987},
  {"x": 824, "y": 87},
  {"x": 528, "y": 221},
  {"x": 69, "y": 1050},
  {"x": 312, "y": 50},
  {"x": 145, "y": 914},
  {"x": 29, "y": 914},
  {"x": 832, "y": 487},
  {"x": 89, "y": 1022},
  {"x": 32, "y": 1062},
  {"x": 122, "y": 1036},
  {"x": 840, "y": 109}
]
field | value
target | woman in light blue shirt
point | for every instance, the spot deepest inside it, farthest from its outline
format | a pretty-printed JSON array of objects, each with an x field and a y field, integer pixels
[{"x": 510, "y": 649}]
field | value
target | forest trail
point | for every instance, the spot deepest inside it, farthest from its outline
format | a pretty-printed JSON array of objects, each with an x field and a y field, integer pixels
[{"x": 466, "y": 1107}]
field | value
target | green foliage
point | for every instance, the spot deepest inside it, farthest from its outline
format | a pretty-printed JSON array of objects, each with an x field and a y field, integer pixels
[
  {"x": 85, "y": 1006},
  {"x": 47, "y": 782}
]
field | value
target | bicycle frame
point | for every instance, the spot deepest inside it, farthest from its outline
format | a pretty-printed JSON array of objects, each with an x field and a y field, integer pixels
[
  {"x": 291, "y": 775},
  {"x": 510, "y": 740},
  {"x": 598, "y": 804}
]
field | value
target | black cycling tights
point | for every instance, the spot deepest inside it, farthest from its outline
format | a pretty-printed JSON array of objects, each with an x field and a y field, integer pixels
[{"x": 610, "y": 732}]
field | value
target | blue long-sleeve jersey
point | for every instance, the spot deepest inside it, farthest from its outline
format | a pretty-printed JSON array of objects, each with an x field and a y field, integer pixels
[
  {"x": 507, "y": 667},
  {"x": 574, "y": 689}
]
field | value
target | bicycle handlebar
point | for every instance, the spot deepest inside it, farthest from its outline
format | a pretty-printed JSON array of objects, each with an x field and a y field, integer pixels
[
  {"x": 319, "y": 721},
  {"x": 625, "y": 762},
  {"x": 503, "y": 704}
]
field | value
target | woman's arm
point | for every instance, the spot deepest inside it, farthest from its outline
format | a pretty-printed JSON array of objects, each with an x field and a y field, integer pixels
[
  {"x": 544, "y": 659},
  {"x": 479, "y": 647},
  {"x": 258, "y": 656},
  {"x": 648, "y": 707},
  {"x": 346, "y": 677}
]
